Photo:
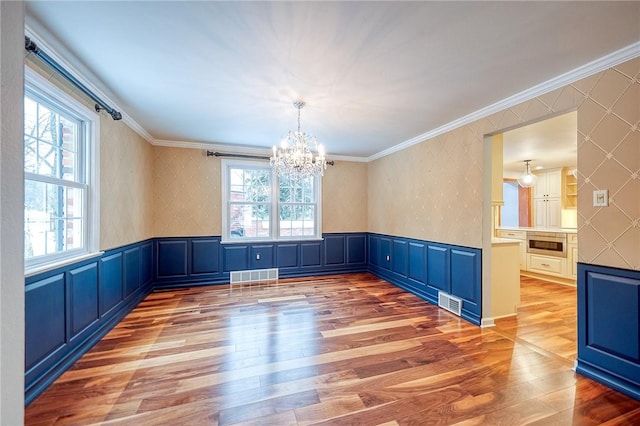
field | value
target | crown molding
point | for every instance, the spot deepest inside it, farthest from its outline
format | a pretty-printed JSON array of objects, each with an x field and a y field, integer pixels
[
  {"x": 55, "y": 55},
  {"x": 240, "y": 149},
  {"x": 626, "y": 53}
]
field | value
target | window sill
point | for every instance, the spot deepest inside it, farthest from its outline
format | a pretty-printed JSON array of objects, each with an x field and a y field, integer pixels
[
  {"x": 34, "y": 270},
  {"x": 282, "y": 240}
]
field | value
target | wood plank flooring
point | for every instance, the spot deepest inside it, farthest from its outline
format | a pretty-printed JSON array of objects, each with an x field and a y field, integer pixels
[
  {"x": 335, "y": 350},
  {"x": 547, "y": 318}
]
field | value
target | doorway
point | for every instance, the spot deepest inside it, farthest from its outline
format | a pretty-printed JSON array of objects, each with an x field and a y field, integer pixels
[{"x": 547, "y": 313}]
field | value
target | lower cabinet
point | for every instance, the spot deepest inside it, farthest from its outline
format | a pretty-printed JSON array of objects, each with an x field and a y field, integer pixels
[{"x": 547, "y": 265}]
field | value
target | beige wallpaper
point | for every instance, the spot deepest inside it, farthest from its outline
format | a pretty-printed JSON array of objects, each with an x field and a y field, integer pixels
[
  {"x": 125, "y": 172},
  {"x": 186, "y": 193},
  {"x": 609, "y": 158},
  {"x": 433, "y": 190},
  {"x": 344, "y": 200},
  {"x": 187, "y": 197},
  {"x": 126, "y": 183}
]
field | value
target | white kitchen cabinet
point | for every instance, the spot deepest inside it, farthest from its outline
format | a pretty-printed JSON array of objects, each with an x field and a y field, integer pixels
[
  {"x": 521, "y": 236},
  {"x": 547, "y": 265},
  {"x": 547, "y": 212},
  {"x": 547, "y": 200},
  {"x": 572, "y": 256},
  {"x": 549, "y": 184}
]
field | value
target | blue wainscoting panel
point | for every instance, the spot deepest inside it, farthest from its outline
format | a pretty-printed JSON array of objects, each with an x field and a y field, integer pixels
[
  {"x": 236, "y": 257},
  {"x": 385, "y": 253},
  {"x": 131, "y": 270},
  {"x": 465, "y": 276},
  {"x": 310, "y": 254},
  {"x": 400, "y": 258},
  {"x": 83, "y": 290},
  {"x": 68, "y": 309},
  {"x": 424, "y": 268},
  {"x": 356, "y": 249},
  {"x": 438, "y": 267},
  {"x": 334, "y": 250},
  {"x": 418, "y": 262},
  {"x": 45, "y": 319},
  {"x": 205, "y": 256},
  {"x": 374, "y": 250},
  {"x": 287, "y": 256},
  {"x": 609, "y": 327},
  {"x": 262, "y": 256},
  {"x": 111, "y": 282},
  {"x": 172, "y": 258},
  {"x": 146, "y": 263}
]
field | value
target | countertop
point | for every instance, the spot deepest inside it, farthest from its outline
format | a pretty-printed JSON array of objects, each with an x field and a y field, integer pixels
[
  {"x": 504, "y": 241},
  {"x": 522, "y": 228}
]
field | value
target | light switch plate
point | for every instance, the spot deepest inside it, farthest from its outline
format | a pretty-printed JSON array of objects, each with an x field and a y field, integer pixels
[{"x": 600, "y": 198}]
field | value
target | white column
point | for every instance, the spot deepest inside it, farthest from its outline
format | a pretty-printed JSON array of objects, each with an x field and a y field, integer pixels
[{"x": 11, "y": 213}]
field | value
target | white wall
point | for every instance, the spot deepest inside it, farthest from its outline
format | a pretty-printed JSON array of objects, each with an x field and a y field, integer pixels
[{"x": 11, "y": 214}]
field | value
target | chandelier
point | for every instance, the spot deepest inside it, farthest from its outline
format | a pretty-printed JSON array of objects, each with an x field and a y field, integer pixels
[{"x": 299, "y": 155}]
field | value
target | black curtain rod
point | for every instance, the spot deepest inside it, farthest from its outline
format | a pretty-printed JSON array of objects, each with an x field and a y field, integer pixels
[
  {"x": 31, "y": 46},
  {"x": 253, "y": 157}
]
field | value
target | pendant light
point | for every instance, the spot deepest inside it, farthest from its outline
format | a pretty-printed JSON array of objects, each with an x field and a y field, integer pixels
[{"x": 528, "y": 179}]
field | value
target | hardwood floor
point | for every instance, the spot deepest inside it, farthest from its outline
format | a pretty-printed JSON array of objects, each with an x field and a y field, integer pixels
[
  {"x": 348, "y": 350},
  {"x": 547, "y": 318}
]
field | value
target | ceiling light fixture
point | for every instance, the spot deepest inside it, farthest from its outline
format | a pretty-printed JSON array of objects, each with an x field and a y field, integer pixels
[
  {"x": 299, "y": 155},
  {"x": 528, "y": 179}
]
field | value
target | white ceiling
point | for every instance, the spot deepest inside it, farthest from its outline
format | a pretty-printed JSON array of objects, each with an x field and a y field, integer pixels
[
  {"x": 549, "y": 144},
  {"x": 373, "y": 74}
]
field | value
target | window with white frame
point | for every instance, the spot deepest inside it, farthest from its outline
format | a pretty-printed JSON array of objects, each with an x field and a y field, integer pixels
[
  {"x": 60, "y": 169},
  {"x": 260, "y": 206}
]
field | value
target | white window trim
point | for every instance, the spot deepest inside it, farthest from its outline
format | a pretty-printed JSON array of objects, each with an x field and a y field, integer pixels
[
  {"x": 275, "y": 203},
  {"x": 54, "y": 95}
]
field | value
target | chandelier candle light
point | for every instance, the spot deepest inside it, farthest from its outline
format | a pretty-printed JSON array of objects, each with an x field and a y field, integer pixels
[{"x": 299, "y": 155}]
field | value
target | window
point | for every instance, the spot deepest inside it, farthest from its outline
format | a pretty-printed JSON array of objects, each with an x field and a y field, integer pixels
[
  {"x": 259, "y": 206},
  {"x": 60, "y": 189}
]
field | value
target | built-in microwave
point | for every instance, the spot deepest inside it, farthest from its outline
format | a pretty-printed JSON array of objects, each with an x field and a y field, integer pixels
[{"x": 547, "y": 243}]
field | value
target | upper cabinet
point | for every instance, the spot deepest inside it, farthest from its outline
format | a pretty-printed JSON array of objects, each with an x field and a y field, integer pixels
[
  {"x": 548, "y": 185},
  {"x": 547, "y": 200}
]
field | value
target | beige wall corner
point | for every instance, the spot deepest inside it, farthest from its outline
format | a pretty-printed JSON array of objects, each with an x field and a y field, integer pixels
[
  {"x": 344, "y": 198},
  {"x": 126, "y": 182},
  {"x": 186, "y": 193},
  {"x": 12, "y": 324}
]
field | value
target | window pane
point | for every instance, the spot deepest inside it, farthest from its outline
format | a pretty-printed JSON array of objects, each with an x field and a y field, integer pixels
[
  {"x": 51, "y": 143},
  {"x": 54, "y": 218},
  {"x": 47, "y": 124},
  {"x": 249, "y": 220},
  {"x": 297, "y": 220},
  {"x": 294, "y": 191},
  {"x": 252, "y": 185}
]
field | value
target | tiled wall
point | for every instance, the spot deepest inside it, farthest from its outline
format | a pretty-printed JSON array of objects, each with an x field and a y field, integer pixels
[
  {"x": 433, "y": 190},
  {"x": 187, "y": 197}
]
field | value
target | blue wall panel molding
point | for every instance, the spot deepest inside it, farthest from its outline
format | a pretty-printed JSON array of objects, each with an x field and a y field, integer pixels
[
  {"x": 424, "y": 268},
  {"x": 69, "y": 309},
  {"x": 609, "y": 327},
  {"x": 190, "y": 261}
]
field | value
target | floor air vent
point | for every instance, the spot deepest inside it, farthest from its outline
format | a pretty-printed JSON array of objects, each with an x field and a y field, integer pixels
[
  {"x": 450, "y": 303},
  {"x": 255, "y": 275}
]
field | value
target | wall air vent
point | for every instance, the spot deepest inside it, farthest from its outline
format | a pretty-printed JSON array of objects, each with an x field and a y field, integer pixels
[
  {"x": 450, "y": 303},
  {"x": 252, "y": 276}
]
